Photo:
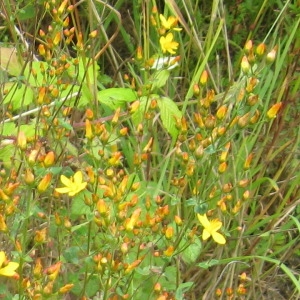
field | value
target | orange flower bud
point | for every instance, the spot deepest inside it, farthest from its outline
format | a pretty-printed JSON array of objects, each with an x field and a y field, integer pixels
[
  {"x": 222, "y": 167},
  {"x": 178, "y": 220},
  {"x": 261, "y": 49},
  {"x": 134, "y": 106},
  {"x": 37, "y": 271},
  {"x": 221, "y": 112},
  {"x": 210, "y": 122},
  {"x": 237, "y": 207},
  {"x": 255, "y": 117},
  {"x": 57, "y": 38},
  {"x": 272, "y": 112},
  {"x": 203, "y": 78},
  {"x": 62, "y": 7},
  {"x": 227, "y": 188},
  {"x": 135, "y": 186},
  {"x": 244, "y": 120},
  {"x": 48, "y": 289},
  {"x": 246, "y": 195},
  {"x": 196, "y": 90},
  {"x": 44, "y": 183},
  {"x": 124, "y": 248},
  {"x": 53, "y": 271},
  {"x": 139, "y": 53},
  {"x": 21, "y": 140},
  {"x": 88, "y": 130},
  {"x": 40, "y": 236},
  {"x": 148, "y": 147},
  {"x": 132, "y": 266},
  {"x": 93, "y": 34},
  {"x": 218, "y": 292},
  {"x": 243, "y": 183},
  {"x": 49, "y": 159},
  {"x": 42, "y": 33},
  {"x": 248, "y": 46},
  {"x": 245, "y": 66},
  {"x": 41, "y": 49},
  {"x": 252, "y": 99},
  {"x": 57, "y": 219},
  {"x": 169, "y": 233},
  {"x": 248, "y": 161},
  {"x": 116, "y": 116},
  {"x": 224, "y": 154},
  {"x": 241, "y": 290},
  {"x": 3, "y": 226},
  {"x": 66, "y": 288},
  {"x": 169, "y": 251},
  {"x": 234, "y": 121},
  {"x": 3, "y": 196},
  {"x": 130, "y": 223},
  {"x": 102, "y": 207},
  {"x": 157, "y": 287},
  {"x": 124, "y": 131}
]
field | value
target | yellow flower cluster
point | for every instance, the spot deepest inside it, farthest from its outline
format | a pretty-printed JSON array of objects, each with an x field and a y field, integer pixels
[{"x": 167, "y": 42}]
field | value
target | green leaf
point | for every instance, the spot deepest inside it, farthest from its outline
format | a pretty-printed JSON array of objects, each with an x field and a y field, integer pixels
[
  {"x": 71, "y": 255},
  {"x": 159, "y": 79},
  {"x": 168, "y": 114},
  {"x": 9, "y": 61},
  {"x": 116, "y": 97},
  {"x": 183, "y": 288},
  {"x": 26, "y": 13},
  {"x": 19, "y": 96},
  {"x": 78, "y": 206},
  {"x": 192, "y": 252}
]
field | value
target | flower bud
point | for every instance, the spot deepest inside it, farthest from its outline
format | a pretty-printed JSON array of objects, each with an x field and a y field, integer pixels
[
  {"x": 44, "y": 183},
  {"x": 272, "y": 112},
  {"x": 178, "y": 220},
  {"x": 245, "y": 66},
  {"x": 271, "y": 56},
  {"x": 222, "y": 167},
  {"x": 261, "y": 49},
  {"x": 49, "y": 159},
  {"x": 66, "y": 288},
  {"x": 244, "y": 120},
  {"x": 221, "y": 112},
  {"x": 203, "y": 78},
  {"x": 169, "y": 233},
  {"x": 93, "y": 34},
  {"x": 21, "y": 140},
  {"x": 248, "y": 46},
  {"x": 29, "y": 177}
]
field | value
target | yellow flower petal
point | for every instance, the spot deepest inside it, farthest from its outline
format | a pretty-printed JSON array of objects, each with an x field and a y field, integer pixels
[
  {"x": 66, "y": 181},
  {"x": 9, "y": 270},
  {"x": 219, "y": 238},
  {"x": 63, "y": 190},
  {"x": 203, "y": 220},
  {"x": 205, "y": 234},
  {"x": 2, "y": 258},
  {"x": 78, "y": 177},
  {"x": 215, "y": 225}
]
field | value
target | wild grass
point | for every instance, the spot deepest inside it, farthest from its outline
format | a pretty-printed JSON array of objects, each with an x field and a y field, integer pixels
[{"x": 150, "y": 157}]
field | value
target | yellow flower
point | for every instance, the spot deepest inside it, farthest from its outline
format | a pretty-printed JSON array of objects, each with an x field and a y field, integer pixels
[
  {"x": 72, "y": 186},
  {"x": 211, "y": 228},
  {"x": 170, "y": 23},
  {"x": 7, "y": 269},
  {"x": 167, "y": 43}
]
